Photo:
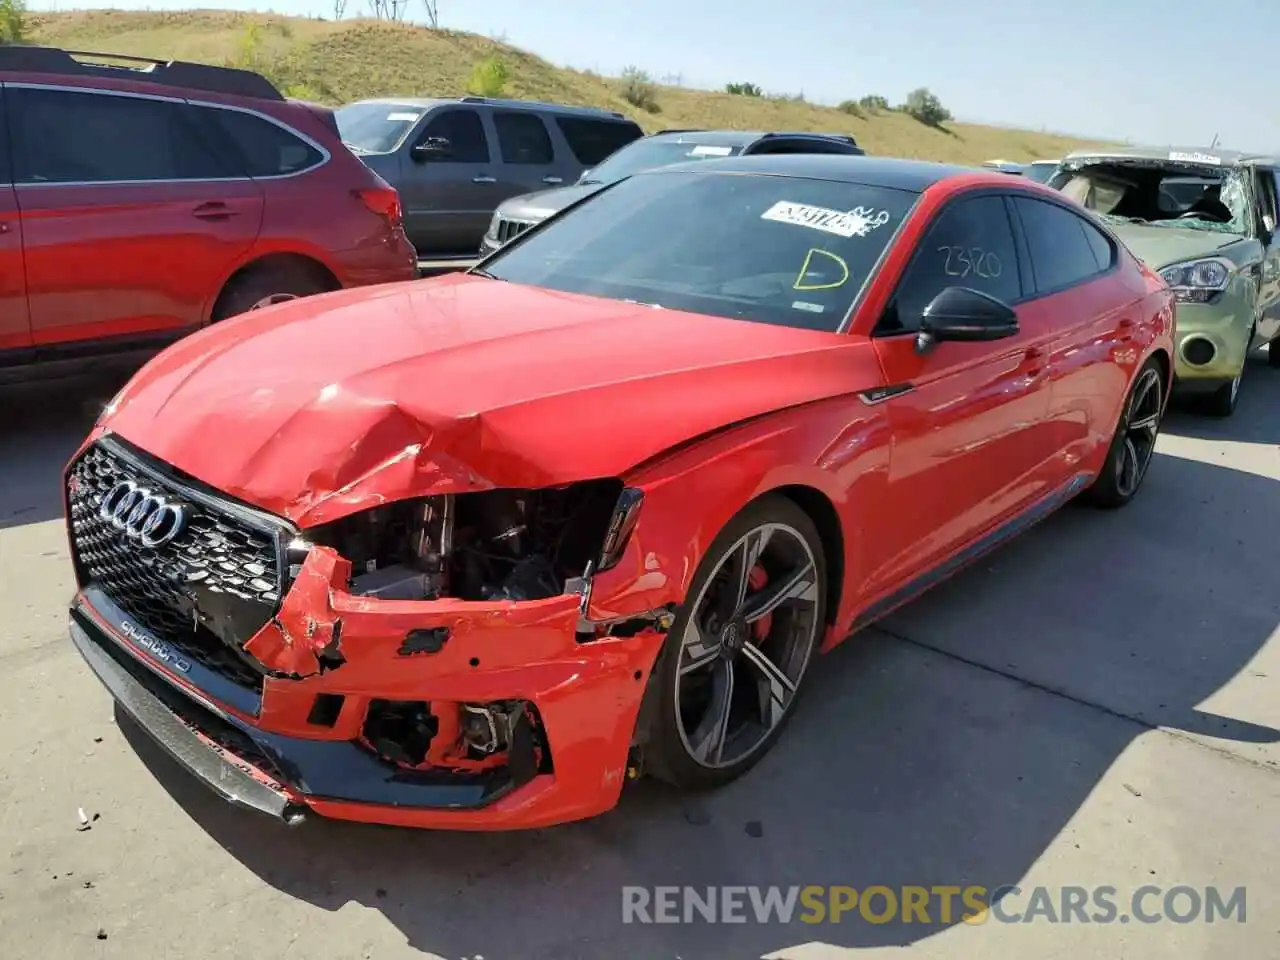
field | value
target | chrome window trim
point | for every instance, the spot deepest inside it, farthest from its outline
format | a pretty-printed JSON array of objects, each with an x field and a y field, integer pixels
[{"x": 325, "y": 155}]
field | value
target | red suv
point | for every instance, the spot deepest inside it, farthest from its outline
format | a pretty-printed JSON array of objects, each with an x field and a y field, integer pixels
[{"x": 140, "y": 202}]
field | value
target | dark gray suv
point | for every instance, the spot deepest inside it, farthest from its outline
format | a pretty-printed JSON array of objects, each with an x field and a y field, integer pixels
[
  {"x": 517, "y": 215},
  {"x": 454, "y": 161}
]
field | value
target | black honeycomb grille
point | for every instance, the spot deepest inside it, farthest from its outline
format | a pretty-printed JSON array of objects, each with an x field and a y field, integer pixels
[{"x": 205, "y": 593}]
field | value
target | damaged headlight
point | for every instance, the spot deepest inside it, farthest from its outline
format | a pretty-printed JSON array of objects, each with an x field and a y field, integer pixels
[
  {"x": 489, "y": 545},
  {"x": 1198, "y": 281}
]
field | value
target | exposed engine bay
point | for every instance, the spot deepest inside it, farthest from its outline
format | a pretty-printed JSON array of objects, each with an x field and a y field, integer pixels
[{"x": 491, "y": 545}]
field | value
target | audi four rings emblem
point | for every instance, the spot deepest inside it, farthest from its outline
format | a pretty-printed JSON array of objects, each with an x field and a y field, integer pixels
[{"x": 144, "y": 516}]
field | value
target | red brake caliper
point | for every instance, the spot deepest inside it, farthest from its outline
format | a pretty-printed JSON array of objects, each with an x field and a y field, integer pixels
[{"x": 756, "y": 580}]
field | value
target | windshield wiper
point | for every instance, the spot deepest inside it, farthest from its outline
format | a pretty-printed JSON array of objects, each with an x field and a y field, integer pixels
[
  {"x": 481, "y": 272},
  {"x": 585, "y": 183}
]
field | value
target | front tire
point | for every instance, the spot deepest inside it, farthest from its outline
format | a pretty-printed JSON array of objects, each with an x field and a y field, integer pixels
[
  {"x": 1134, "y": 444},
  {"x": 1223, "y": 401},
  {"x": 730, "y": 673},
  {"x": 1273, "y": 353}
]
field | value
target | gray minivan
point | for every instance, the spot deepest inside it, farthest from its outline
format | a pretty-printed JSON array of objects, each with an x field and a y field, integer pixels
[{"x": 454, "y": 160}]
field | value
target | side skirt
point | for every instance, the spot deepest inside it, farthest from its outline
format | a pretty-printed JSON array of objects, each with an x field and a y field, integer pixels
[{"x": 983, "y": 545}]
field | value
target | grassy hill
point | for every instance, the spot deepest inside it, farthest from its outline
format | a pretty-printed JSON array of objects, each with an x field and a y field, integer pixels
[{"x": 338, "y": 61}]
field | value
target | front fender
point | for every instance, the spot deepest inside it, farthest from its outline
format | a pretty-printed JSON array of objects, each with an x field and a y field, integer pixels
[{"x": 838, "y": 448}]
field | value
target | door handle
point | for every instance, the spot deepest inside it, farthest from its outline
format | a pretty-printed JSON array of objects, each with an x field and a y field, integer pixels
[
  {"x": 484, "y": 179},
  {"x": 553, "y": 179},
  {"x": 1033, "y": 361},
  {"x": 213, "y": 210}
]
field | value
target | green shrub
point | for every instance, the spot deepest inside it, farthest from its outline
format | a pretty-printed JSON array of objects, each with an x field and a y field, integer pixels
[
  {"x": 13, "y": 21},
  {"x": 488, "y": 78},
  {"x": 850, "y": 107},
  {"x": 926, "y": 107},
  {"x": 874, "y": 103},
  {"x": 743, "y": 89},
  {"x": 638, "y": 89}
]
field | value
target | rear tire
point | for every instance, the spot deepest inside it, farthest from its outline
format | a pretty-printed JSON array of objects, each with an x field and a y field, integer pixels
[
  {"x": 264, "y": 286},
  {"x": 1273, "y": 353},
  {"x": 729, "y": 676},
  {"x": 1133, "y": 446}
]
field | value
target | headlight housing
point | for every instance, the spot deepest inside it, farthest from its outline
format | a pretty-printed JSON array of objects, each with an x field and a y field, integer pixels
[
  {"x": 502, "y": 544},
  {"x": 1198, "y": 281}
]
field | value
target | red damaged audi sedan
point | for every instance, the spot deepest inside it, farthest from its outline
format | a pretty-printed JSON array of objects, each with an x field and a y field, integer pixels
[{"x": 471, "y": 552}]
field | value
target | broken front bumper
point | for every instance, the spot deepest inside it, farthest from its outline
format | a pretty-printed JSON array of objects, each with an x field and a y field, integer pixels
[{"x": 272, "y": 755}]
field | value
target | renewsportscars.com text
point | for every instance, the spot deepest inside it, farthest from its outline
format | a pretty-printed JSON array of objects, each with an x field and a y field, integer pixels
[{"x": 939, "y": 904}]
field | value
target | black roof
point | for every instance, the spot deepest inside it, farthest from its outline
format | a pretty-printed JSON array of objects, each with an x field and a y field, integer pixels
[
  {"x": 22, "y": 58},
  {"x": 915, "y": 176}
]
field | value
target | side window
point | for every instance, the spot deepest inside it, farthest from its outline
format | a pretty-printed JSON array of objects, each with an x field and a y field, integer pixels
[
  {"x": 593, "y": 140},
  {"x": 60, "y": 136},
  {"x": 1062, "y": 252},
  {"x": 262, "y": 148},
  {"x": 465, "y": 133},
  {"x": 970, "y": 244},
  {"x": 522, "y": 138},
  {"x": 1103, "y": 250}
]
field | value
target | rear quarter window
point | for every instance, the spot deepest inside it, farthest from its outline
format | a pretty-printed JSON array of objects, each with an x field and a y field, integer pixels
[
  {"x": 261, "y": 147},
  {"x": 594, "y": 140},
  {"x": 1064, "y": 248}
]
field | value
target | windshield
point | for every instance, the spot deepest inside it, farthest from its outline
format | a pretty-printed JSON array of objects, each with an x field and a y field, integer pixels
[
  {"x": 1160, "y": 194},
  {"x": 376, "y": 127},
  {"x": 778, "y": 250},
  {"x": 647, "y": 154},
  {"x": 1039, "y": 171}
]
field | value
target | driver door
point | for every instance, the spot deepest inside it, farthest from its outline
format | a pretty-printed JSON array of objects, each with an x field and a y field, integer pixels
[
  {"x": 447, "y": 193},
  {"x": 971, "y": 442},
  {"x": 1268, "y": 202}
]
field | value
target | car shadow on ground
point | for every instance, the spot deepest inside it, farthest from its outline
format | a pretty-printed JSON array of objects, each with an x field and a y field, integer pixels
[
  {"x": 932, "y": 751},
  {"x": 41, "y": 425},
  {"x": 1256, "y": 419}
]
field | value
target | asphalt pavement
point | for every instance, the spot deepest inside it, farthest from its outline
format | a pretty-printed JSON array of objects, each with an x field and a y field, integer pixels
[{"x": 1095, "y": 705}]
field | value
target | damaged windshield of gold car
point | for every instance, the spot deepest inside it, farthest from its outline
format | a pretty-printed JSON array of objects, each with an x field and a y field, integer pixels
[{"x": 1160, "y": 193}]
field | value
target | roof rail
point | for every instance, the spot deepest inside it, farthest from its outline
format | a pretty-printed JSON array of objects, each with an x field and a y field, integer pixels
[
  {"x": 558, "y": 107},
  {"x": 172, "y": 73}
]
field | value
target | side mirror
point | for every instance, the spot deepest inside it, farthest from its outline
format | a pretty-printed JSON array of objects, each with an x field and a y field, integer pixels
[
  {"x": 966, "y": 315},
  {"x": 584, "y": 175},
  {"x": 431, "y": 148}
]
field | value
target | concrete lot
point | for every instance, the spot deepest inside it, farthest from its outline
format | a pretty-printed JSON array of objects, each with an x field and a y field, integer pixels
[{"x": 1097, "y": 704}]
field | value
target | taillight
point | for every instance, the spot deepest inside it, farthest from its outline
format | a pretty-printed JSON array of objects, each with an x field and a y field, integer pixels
[{"x": 384, "y": 201}]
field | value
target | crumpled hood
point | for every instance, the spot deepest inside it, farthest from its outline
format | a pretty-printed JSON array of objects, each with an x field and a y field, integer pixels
[
  {"x": 320, "y": 407},
  {"x": 1159, "y": 247}
]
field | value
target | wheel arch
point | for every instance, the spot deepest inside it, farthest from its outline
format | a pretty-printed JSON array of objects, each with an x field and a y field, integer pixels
[
  {"x": 1161, "y": 356},
  {"x": 826, "y": 520},
  {"x": 282, "y": 260}
]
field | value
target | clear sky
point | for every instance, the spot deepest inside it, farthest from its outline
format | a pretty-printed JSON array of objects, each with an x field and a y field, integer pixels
[{"x": 1154, "y": 71}]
